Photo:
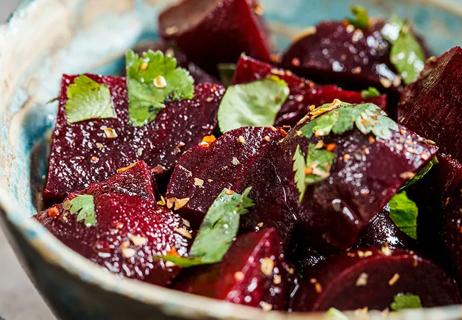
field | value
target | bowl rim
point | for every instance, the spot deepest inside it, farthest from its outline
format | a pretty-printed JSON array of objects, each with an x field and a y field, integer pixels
[{"x": 169, "y": 301}]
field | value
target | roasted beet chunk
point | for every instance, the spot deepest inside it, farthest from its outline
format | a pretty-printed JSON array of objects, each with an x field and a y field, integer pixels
[
  {"x": 205, "y": 170},
  {"x": 303, "y": 93},
  {"x": 199, "y": 75},
  {"x": 253, "y": 272},
  {"x": 216, "y": 31},
  {"x": 432, "y": 106},
  {"x": 127, "y": 232},
  {"x": 339, "y": 52},
  {"x": 373, "y": 278},
  {"x": 92, "y": 150},
  {"x": 451, "y": 235},
  {"x": 382, "y": 231},
  {"x": 348, "y": 176}
]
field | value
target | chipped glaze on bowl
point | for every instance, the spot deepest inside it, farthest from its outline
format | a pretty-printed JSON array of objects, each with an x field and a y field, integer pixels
[{"x": 46, "y": 38}]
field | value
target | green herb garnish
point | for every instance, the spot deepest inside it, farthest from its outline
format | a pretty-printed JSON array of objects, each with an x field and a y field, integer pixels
[
  {"x": 314, "y": 169},
  {"x": 360, "y": 17},
  {"x": 370, "y": 93},
  {"x": 406, "y": 54},
  {"x": 218, "y": 230},
  {"x": 340, "y": 117},
  {"x": 403, "y": 301},
  {"x": 84, "y": 207},
  {"x": 226, "y": 72},
  {"x": 252, "y": 104},
  {"x": 404, "y": 213},
  {"x": 422, "y": 173},
  {"x": 88, "y": 99},
  {"x": 152, "y": 79}
]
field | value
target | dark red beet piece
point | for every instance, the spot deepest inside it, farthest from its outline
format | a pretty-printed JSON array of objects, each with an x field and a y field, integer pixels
[
  {"x": 366, "y": 173},
  {"x": 205, "y": 170},
  {"x": 81, "y": 153},
  {"x": 130, "y": 230},
  {"x": 449, "y": 174},
  {"x": 338, "y": 52},
  {"x": 432, "y": 106},
  {"x": 371, "y": 278},
  {"x": 452, "y": 233},
  {"x": 253, "y": 272},
  {"x": 199, "y": 75},
  {"x": 303, "y": 93},
  {"x": 216, "y": 31},
  {"x": 382, "y": 231}
]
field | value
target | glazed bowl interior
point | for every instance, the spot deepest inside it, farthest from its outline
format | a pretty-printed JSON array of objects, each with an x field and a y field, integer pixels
[{"x": 46, "y": 38}]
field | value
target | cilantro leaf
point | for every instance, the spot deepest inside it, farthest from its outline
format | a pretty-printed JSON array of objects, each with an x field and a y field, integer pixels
[
  {"x": 226, "y": 72},
  {"x": 335, "y": 314},
  {"x": 299, "y": 170},
  {"x": 314, "y": 169},
  {"x": 370, "y": 93},
  {"x": 152, "y": 79},
  {"x": 422, "y": 173},
  {"x": 217, "y": 231},
  {"x": 403, "y": 301},
  {"x": 88, "y": 99},
  {"x": 406, "y": 54},
  {"x": 360, "y": 17},
  {"x": 366, "y": 117},
  {"x": 83, "y": 206},
  {"x": 252, "y": 104},
  {"x": 404, "y": 213}
]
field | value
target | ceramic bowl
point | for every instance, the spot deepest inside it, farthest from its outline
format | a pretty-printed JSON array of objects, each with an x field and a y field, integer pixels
[{"x": 46, "y": 38}]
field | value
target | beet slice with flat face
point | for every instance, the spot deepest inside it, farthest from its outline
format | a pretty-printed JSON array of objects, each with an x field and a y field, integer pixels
[
  {"x": 432, "y": 106},
  {"x": 216, "y": 31},
  {"x": 382, "y": 231},
  {"x": 91, "y": 151},
  {"x": 198, "y": 74},
  {"x": 253, "y": 272},
  {"x": 130, "y": 230},
  {"x": 338, "y": 52},
  {"x": 205, "y": 170},
  {"x": 372, "y": 278},
  {"x": 303, "y": 93},
  {"x": 364, "y": 175}
]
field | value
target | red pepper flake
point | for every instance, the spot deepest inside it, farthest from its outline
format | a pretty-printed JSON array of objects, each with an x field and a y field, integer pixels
[
  {"x": 407, "y": 175},
  {"x": 53, "y": 212},
  {"x": 123, "y": 169},
  {"x": 296, "y": 62},
  {"x": 229, "y": 192},
  {"x": 393, "y": 279},
  {"x": 207, "y": 140},
  {"x": 282, "y": 132},
  {"x": 371, "y": 139},
  {"x": 308, "y": 171},
  {"x": 331, "y": 147}
]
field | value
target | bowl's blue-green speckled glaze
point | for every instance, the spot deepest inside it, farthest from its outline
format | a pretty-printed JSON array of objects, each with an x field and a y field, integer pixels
[{"x": 46, "y": 38}]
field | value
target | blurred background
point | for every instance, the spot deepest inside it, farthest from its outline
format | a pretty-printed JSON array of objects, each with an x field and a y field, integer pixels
[{"x": 18, "y": 298}]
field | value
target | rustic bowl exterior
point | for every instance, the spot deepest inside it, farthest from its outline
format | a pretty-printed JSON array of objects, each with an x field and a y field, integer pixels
[{"x": 46, "y": 38}]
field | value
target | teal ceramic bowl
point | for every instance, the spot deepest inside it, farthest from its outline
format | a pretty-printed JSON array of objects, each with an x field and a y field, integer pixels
[{"x": 46, "y": 38}]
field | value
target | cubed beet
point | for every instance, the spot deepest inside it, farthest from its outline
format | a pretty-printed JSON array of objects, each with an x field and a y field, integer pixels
[
  {"x": 216, "y": 31},
  {"x": 303, "y": 93},
  {"x": 338, "y": 52},
  {"x": 130, "y": 230},
  {"x": 205, "y": 170},
  {"x": 253, "y": 272},
  {"x": 82, "y": 153},
  {"x": 372, "y": 278},
  {"x": 432, "y": 106}
]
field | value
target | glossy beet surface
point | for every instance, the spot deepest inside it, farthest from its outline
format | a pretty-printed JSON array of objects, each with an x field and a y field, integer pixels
[
  {"x": 303, "y": 93},
  {"x": 82, "y": 153},
  {"x": 198, "y": 74},
  {"x": 253, "y": 272},
  {"x": 382, "y": 231},
  {"x": 216, "y": 31},
  {"x": 432, "y": 106},
  {"x": 205, "y": 170},
  {"x": 130, "y": 229},
  {"x": 338, "y": 52},
  {"x": 371, "y": 278},
  {"x": 366, "y": 173}
]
